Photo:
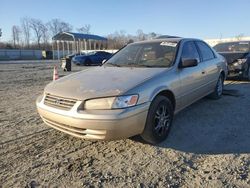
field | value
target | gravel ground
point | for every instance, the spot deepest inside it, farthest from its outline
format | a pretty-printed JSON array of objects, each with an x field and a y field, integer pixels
[{"x": 209, "y": 144}]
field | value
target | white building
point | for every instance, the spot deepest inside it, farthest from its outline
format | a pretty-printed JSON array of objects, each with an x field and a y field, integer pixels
[{"x": 213, "y": 42}]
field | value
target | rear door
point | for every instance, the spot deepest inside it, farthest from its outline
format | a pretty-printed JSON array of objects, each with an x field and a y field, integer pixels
[{"x": 211, "y": 66}]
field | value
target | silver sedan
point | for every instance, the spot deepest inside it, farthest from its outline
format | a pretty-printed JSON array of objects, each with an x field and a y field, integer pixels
[{"x": 136, "y": 92}]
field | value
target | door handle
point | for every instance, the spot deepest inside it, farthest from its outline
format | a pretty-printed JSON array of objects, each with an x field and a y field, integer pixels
[{"x": 203, "y": 72}]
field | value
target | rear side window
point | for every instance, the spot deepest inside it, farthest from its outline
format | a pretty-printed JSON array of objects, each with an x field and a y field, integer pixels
[
  {"x": 205, "y": 50},
  {"x": 189, "y": 51},
  {"x": 242, "y": 46}
]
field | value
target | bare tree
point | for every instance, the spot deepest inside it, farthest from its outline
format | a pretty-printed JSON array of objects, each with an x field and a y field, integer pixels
[
  {"x": 140, "y": 35},
  {"x": 152, "y": 35},
  {"x": 239, "y": 37},
  {"x": 16, "y": 31},
  {"x": 118, "y": 39},
  {"x": 45, "y": 35},
  {"x": 38, "y": 27},
  {"x": 84, "y": 29},
  {"x": 26, "y": 30},
  {"x": 56, "y": 26}
]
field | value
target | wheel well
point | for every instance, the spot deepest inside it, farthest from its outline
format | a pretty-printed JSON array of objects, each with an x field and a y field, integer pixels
[{"x": 169, "y": 95}]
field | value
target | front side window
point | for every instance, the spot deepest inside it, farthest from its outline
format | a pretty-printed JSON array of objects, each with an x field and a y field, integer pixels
[
  {"x": 206, "y": 52},
  {"x": 189, "y": 51},
  {"x": 151, "y": 54}
]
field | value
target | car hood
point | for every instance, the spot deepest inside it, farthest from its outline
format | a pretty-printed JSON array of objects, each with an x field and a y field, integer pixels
[
  {"x": 100, "y": 82},
  {"x": 79, "y": 57}
]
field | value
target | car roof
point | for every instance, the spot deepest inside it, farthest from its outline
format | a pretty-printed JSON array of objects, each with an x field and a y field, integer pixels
[
  {"x": 166, "y": 36},
  {"x": 165, "y": 40}
]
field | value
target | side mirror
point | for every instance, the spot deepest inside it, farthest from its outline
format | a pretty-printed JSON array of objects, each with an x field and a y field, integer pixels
[
  {"x": 188, "y": 63},
  {"x": 103, "y": 61}
]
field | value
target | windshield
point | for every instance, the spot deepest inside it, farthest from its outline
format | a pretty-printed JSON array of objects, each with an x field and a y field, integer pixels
[
  {"x": 232, "y": 47},
  {"x": 91, "y": 53},
  {"x": 152, "y": 54}
]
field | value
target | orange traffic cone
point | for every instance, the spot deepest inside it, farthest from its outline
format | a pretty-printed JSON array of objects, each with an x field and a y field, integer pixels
[{"x": 55, "y": 74}]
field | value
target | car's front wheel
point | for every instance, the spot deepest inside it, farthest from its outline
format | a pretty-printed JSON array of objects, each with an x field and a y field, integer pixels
[{"x": 159, "y": 120}]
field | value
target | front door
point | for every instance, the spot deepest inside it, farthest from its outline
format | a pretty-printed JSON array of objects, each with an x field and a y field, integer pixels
[{"x": 192, "y": 79}]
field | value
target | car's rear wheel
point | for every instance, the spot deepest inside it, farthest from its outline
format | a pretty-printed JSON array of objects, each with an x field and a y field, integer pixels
[
  {"x": 159, "y": 120},
  {"x": 218, "y": 90}
]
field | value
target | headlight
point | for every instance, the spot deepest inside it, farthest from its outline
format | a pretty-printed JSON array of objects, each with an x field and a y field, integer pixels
[
  {"x": 99, "y": 104},
  {"x": 125, "y": 101},
  {"x": 111, "y": 102},
  {"x": 236, "y": 64},
  {"x": 239, "y": 62}
]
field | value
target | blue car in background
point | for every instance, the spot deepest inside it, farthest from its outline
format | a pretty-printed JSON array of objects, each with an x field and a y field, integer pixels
[{"x": 92, "y": 58}]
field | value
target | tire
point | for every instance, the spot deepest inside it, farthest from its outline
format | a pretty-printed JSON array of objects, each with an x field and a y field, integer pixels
[
  {"x": 158, "y": 125},
  {"x": 218, "y": 90}
]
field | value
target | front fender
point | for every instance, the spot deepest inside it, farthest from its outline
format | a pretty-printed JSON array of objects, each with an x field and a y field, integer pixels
[{"x": 156, "y": 91}]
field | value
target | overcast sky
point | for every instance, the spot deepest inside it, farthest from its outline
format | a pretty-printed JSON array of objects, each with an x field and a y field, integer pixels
[{"x": 188, "y": 18}]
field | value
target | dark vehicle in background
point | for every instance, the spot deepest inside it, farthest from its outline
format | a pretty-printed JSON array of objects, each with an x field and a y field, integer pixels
[
  {"x": 237, "y": 55},
  {"x": 92, "y": 58},
  {"x": 70, "y": 56}
]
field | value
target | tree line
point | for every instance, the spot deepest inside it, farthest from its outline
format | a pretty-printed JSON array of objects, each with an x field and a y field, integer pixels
[{"x": 33, "y": 33}]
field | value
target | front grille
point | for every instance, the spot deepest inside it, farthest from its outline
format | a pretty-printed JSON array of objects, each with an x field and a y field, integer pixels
[{"x": 59, "y": 102}]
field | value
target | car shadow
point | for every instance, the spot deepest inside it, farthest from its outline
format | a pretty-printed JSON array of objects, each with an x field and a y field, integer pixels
[{"x": 214, "y": 126}]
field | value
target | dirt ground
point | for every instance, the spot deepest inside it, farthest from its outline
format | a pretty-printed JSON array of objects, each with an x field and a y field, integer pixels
[{"x": 209, "y": 144}]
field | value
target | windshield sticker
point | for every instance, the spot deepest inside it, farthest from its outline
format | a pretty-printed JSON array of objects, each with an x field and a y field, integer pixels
[{"x": 172, "y": 44}]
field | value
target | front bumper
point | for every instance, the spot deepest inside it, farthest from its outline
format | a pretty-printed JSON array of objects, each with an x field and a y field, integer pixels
[{"x": 95, "y": 124}]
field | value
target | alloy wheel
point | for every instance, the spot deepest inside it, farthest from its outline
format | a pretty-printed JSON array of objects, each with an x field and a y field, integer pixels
[
  {"x": 220, "y": 86},
  {"x": 161, "y": 120}
]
